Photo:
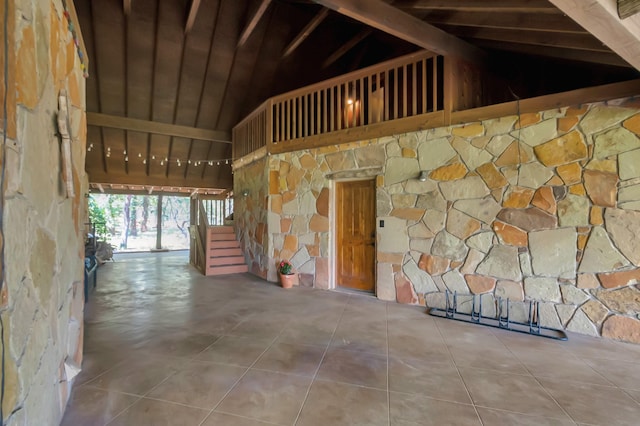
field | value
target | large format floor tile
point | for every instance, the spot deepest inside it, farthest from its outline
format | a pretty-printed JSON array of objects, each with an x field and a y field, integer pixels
[
  {"x": 594, "y": 404},
  {"x": 199, "y": 384},
  {"x": 268, "y": 396},
  {"x": 165, "y": 345},
  {"x": 331, "y": 403}
]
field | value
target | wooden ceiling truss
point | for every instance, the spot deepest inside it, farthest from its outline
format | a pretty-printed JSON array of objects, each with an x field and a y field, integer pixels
[{"x": 168, "y": 80}]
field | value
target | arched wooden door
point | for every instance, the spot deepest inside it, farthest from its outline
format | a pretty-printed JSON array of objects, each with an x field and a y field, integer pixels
[{"x": 356, "y": 234}]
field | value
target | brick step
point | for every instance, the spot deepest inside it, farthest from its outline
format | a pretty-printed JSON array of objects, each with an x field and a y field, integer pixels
[
  {"x": 221, "y": 230},
  {"x": 222, "y": 237},
  {"x": 224, "y": 244},
  {"x": 225, "y": 252},
  {"x": 226, "y": 260},
  {"x": 224, "y": 270}
]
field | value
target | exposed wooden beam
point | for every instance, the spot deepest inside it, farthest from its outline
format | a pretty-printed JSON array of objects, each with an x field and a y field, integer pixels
[
  {"x": 347, "y": 47},
  {"x": 126, "y": 6},
  {"x": 546, "y": 102},
  {"x": 492, "y": 6},
  {"x": 387, "y": 18},
  {"x": 600, "y": 18},
  {"x": 605, "y": 58},
  {"x": 253, "y": 22},
  {"x": 154, "y": 127},
  {"x": 160, "y": 181},
  {"x": 513, "y": 21},
  {"x": 170, "y": 191},
  {"x": 306, "y": 31},
  {"x": 191, "y": 18},
  {"x": 628, "y": 8},
  {"x": 539, "y": 38}
]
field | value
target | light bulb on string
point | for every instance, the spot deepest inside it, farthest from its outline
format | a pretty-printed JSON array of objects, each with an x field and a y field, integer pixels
[
  {"x": 139, "y": 155},
  {"x": 126, "y": 158}
]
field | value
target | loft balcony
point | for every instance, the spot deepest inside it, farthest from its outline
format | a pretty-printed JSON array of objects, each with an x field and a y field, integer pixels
[
  {"x": 394, "y": 96},
  {"x": 414, "y": 92}
]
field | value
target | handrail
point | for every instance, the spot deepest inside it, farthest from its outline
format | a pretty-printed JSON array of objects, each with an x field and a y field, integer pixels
[
  {"x": 382, "y": 66},
  {"x": 407, "y": 86}
]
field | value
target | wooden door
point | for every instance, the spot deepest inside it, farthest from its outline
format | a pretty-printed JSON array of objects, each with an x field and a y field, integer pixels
[{"x": 356, "y": 234}]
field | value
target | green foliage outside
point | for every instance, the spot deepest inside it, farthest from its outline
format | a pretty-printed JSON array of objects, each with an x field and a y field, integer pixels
[{"x": 129, "y": 221}]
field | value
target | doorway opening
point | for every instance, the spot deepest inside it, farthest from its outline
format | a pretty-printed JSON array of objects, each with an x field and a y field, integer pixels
[{"x": 356, "y": 235}]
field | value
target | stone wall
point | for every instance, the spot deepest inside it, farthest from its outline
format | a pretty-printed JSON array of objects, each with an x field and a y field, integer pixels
[
  {"x": 543, "y": 207},
  {"x": 43, "y": 228},
  {"x": 250, "y": 214}
]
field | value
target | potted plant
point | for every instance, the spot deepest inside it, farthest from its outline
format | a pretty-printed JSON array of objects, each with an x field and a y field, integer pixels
[{"x": 287, "y": 277}]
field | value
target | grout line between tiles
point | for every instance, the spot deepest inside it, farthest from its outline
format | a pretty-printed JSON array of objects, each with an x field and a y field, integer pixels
[
  {"x": 240, "y": 378},
  {"x": 466, "y": 388},
  {"x": 540, "y": 384},
  {"x": 324, "y": 354}
]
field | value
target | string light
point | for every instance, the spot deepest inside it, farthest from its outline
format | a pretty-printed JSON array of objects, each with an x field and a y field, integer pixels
[{"x": 167, "y": 160}]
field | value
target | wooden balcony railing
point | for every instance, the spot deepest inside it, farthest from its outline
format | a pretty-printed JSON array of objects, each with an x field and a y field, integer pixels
[{"x": 347, "y": 107}]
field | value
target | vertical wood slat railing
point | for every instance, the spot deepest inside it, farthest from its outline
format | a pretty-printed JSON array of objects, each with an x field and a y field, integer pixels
[
  {"x": 199, "y": 232},
  {"x": 405, "y": 87},
  {"x": 217, "y": 209}
]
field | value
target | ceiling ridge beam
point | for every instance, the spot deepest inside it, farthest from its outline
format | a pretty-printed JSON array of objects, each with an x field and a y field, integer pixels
[
  {"x": 253, "y": 22},
  {"x": 600, "y": 18},
  {"x": 385, "y": 17},
  {"x": 306, "y": 32},
  {"x": 157, "y": 128}
]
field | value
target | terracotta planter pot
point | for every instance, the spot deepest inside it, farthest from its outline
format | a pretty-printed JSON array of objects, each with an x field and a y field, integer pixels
[{"x": 288, "y": 281}]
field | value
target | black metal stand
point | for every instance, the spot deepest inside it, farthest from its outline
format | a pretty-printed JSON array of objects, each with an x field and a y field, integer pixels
[{"x": 501, "y": 319}]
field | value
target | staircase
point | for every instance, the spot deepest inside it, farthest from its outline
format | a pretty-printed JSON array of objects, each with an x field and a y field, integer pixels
[{"x": 223, "y": 254}]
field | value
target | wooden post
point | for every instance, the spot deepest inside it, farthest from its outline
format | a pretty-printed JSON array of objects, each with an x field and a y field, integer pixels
[{"x": 159, "y": 224}]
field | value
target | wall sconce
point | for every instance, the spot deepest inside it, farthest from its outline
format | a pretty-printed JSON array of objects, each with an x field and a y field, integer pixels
[
  {"x": 423, "y": 176},
  {"x": 245, "y": 192}
]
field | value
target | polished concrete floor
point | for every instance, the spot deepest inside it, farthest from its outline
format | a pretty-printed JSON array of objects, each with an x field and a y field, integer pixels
[{"x": 167, "y": 346}]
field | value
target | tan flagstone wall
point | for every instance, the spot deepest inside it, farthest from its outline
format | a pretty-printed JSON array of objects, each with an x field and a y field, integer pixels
[
  {"x": 545, "y": 207},
  {"x": 43, "y": 228},
  {"x": 251, "y": 214}
]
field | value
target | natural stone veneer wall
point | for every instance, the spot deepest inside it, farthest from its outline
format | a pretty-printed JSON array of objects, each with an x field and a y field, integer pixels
[
  {"x": 545, "y": 207},
  {"x": 43, "y": 229},
  {"x": 250, "y": 214}
]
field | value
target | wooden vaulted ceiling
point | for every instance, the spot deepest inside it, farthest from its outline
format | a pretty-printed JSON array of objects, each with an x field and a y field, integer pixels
[{"x": 168, "y": 79}]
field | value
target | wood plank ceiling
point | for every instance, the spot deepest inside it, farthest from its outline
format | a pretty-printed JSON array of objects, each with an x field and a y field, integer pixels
[{"x": 168, "y": 79}]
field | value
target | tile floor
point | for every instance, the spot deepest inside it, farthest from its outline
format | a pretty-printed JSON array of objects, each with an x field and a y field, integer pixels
[{"x": 167, "y": 346}]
